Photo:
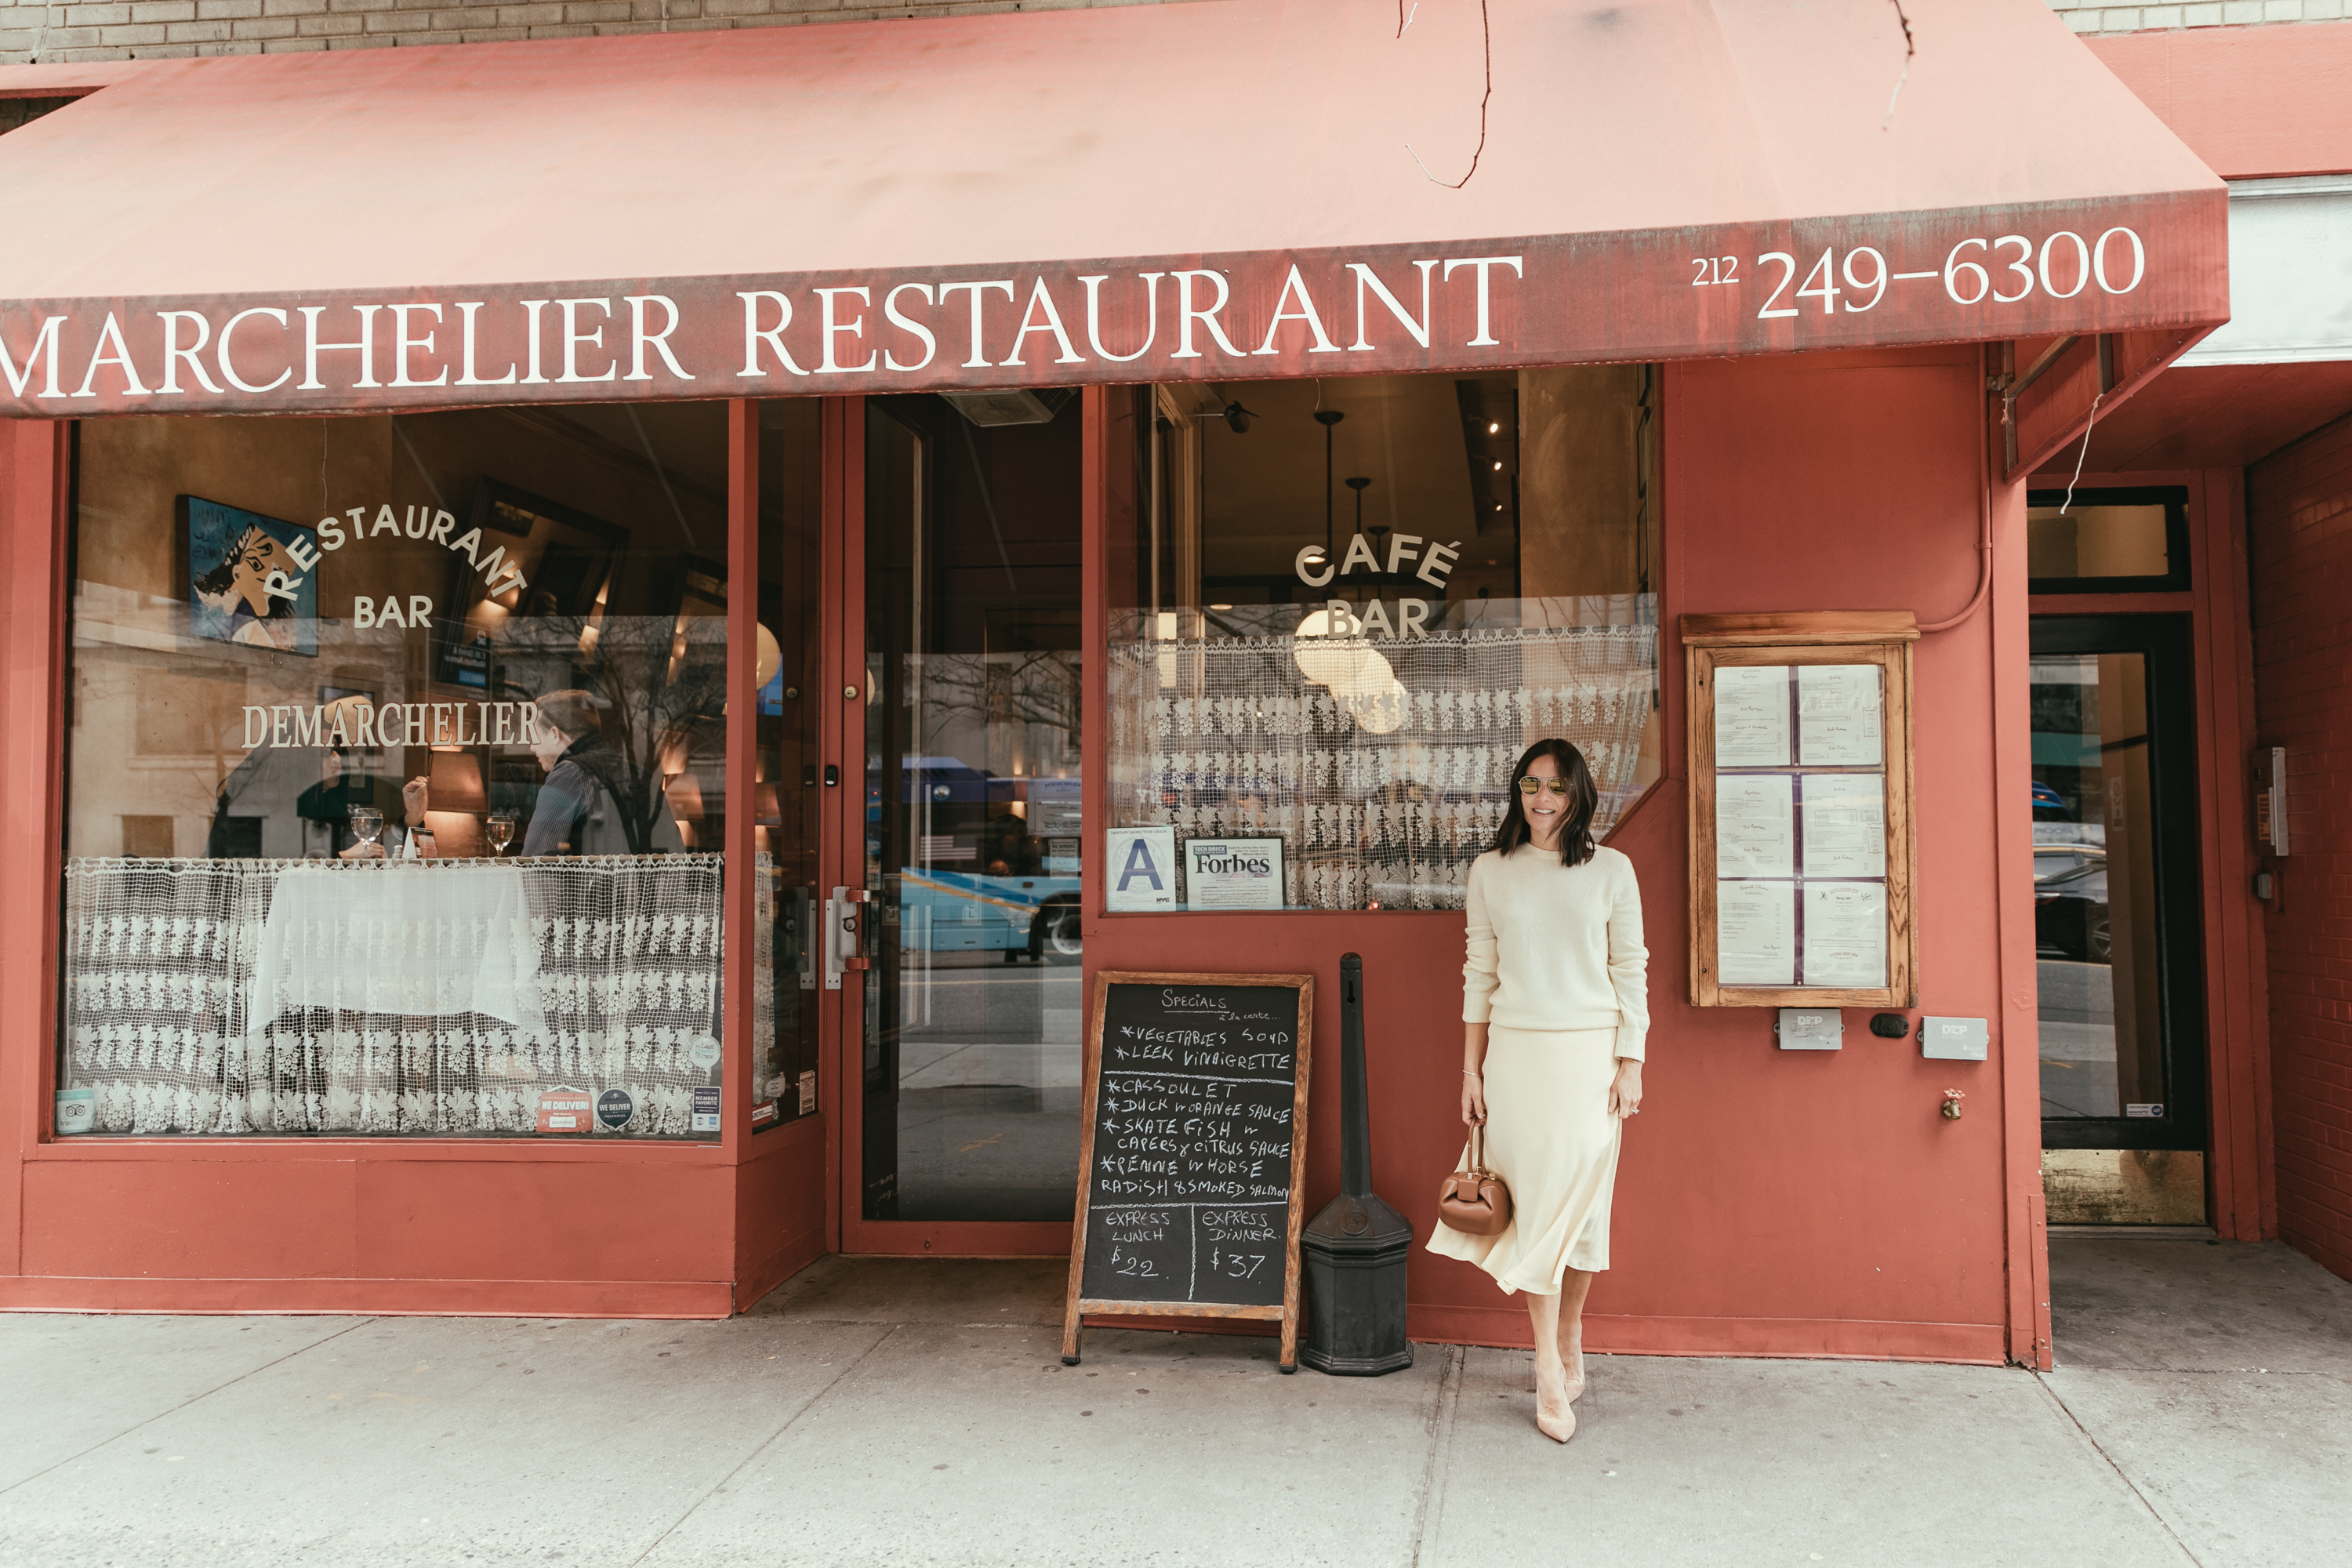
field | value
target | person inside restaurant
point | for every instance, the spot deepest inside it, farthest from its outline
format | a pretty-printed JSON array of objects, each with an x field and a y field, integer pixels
[
  {"x": 349, "y": 812},
  {"x": 594, "y": 801}
]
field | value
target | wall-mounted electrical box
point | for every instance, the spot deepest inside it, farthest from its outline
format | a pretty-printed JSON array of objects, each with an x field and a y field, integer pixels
[
  {"x": 1953, "y": 1039},
  {"x": 2270, "y": 799},
  {"x": 1810, "y": 1029}
]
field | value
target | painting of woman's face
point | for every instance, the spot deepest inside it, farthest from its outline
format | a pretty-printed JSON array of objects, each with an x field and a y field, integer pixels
[
  {"x": 250, "y": 564},
  {"x": 237, "y": 558}
]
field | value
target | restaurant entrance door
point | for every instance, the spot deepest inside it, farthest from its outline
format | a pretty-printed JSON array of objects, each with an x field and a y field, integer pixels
[{"x": 960, "y": 1120}]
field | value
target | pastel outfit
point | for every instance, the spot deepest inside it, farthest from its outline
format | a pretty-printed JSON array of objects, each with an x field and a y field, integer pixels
[{"x": 1557, "y": 971}]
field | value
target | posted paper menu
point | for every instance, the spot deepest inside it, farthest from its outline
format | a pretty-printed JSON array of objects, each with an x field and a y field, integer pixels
[
  {"x": 1755, "y": 934},
  {"x": 1846, "y": 825},
  {"x": 1845, "y": 934},
  {"x": 1840, "y": 721},
  {"x": 1751, "y": 716},
  {"x": 1755, "y": 826}
]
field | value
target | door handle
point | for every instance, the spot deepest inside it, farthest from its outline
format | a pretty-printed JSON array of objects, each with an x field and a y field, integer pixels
[
  {"x": 800, "y": 926},
  {"x": 846, "y": 916}
]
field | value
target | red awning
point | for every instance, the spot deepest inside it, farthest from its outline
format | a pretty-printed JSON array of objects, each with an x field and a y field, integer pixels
[{"x": 1156, "y": 192}]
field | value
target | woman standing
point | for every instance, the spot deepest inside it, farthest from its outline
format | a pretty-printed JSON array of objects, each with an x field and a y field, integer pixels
[{"x": 1555, "y": 1003}]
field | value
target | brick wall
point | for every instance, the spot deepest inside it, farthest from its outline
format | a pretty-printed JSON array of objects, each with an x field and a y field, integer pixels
[
  {"x": 2104, "y": 16},
  {"x": 2299, "y": 517},
  {"x": 16, "y": 111},
  {"x": 69, "y": 30}
]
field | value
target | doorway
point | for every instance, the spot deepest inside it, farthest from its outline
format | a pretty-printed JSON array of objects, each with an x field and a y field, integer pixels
[
  {"x": 2115, "y": 921},
  {"x": 962, "y": 1130}
]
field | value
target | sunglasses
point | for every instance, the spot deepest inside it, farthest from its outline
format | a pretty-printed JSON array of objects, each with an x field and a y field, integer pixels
[{"x": 1536, "y": 787}]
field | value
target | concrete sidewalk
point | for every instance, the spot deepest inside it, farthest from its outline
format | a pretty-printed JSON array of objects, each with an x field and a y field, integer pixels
[{"x": 916, "y": 1412}]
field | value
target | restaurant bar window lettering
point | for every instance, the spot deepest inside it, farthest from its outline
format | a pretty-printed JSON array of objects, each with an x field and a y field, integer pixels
[
  {"x": 1351, "y": 604},
  {"x": 395, "y": 784}
]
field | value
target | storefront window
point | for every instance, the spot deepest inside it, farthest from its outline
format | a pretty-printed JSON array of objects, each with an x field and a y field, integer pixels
[
  {"x": 1353, "y": 603},
  {"x": 396, "y": 789}
]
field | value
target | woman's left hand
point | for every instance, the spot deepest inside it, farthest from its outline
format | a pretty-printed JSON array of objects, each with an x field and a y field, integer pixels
[
  {"x": 416, "y": 798},
  {"x": 1625, "y": 1090}
]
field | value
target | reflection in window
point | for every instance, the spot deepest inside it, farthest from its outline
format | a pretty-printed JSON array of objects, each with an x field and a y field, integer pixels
[
  {"x": 1354, "y": 604},
  {"x": 974, "y": 829},
  {"x": 2094, "y": 905},
  {"x": 786, "y": 762},
  {"x": 396, "y": 775}
]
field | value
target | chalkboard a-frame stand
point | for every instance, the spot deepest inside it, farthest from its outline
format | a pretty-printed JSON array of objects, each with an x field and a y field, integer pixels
[{"x": 1192, "y": 1163}]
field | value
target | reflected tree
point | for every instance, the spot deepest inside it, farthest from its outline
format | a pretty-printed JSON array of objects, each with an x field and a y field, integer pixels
[{"x": 661, "y": 686}]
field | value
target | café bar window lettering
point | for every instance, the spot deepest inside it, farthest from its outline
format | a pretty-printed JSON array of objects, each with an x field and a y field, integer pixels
[
  {"x": 1801, "y": 809},
  {"x": 1347, "y": 606},
  {"x": 396, "y": 788}
]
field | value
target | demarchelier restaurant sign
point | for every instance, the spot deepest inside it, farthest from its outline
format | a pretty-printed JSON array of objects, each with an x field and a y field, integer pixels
[{"x": 1976, "y": 273}]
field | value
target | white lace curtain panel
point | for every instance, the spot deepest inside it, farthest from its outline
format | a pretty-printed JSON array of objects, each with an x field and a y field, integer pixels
[
  {"x": 1229, "y": 737},
  {"x": 389, "y": 996}
]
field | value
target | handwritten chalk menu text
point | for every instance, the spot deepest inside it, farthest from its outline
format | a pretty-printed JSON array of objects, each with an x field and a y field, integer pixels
[
  {"x": 1194, "y": 1147},
  {"x": 1194, "y": 1136}
]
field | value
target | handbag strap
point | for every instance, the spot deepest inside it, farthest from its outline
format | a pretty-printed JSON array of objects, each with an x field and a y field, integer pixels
[{"x": 1477, "y": 1149}]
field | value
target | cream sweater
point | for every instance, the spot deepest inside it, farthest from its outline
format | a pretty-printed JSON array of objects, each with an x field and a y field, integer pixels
[{"x": 1557, "y": 947}]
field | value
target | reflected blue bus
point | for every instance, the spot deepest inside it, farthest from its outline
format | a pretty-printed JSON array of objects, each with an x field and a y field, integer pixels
[{"x": 966, "y": 912}]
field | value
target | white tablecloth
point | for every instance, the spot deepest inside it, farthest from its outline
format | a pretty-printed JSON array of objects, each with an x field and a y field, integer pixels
[
  {"x": 272, "y": 997},
  {"x": 408, "y": 939}
]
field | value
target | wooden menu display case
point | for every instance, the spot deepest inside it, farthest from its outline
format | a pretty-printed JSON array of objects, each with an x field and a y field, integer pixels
[{"x": 1803, "y": 861}]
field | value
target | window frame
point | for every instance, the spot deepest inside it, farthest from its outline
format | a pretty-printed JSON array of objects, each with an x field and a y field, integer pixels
[{"x": 2174, "y": 499}]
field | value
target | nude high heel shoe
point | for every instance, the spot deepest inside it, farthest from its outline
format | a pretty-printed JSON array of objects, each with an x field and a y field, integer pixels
[
  {"x": 1572, "y": 1357},
  {"x": 1555, "y": 1419}
]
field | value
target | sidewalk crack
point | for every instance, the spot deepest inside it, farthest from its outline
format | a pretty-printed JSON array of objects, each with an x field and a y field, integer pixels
[
  {"x": 192, "y": 1398},
  {"x": 2099, "y": 1448},
  {"x": 1429, "y": 1513},
  {"x": 765, "y": 1443}
]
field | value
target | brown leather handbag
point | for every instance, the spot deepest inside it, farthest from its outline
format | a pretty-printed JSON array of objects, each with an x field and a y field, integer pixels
[{"x": 1475, "y": 1202}]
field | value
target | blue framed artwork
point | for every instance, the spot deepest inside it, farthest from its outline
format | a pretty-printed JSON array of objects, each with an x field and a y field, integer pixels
[{"x": 245, "y": 580}]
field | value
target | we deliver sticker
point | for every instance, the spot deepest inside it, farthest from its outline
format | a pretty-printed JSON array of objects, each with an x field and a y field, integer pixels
[{"x": 564, "y": 1110}]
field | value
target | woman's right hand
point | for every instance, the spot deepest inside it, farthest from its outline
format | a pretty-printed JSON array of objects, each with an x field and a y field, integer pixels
[{"x": 1473, "y": 1099}]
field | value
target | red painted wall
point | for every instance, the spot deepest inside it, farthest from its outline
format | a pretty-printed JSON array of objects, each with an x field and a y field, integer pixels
[
  {"x": 1769, "y": 1203},
  {"x": 2252, "y": 102},
  {"x": 2299, "y": 507}
]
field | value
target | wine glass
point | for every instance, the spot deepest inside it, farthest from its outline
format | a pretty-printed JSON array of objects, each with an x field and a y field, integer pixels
[
  {"x": 499, "y": 828},
  {"x": 367, "y": 823}
]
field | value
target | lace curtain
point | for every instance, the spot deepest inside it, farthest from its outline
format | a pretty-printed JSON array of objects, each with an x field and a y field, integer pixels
[
  {"x": 1231, "y": 737},
  {"x": 390, "y": 996}
]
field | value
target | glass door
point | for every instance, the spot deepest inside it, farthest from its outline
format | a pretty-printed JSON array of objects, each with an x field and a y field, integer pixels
[
  {"x": 2115, "y": 882},
  {"x": 787, "y": 674},
  {"x": 966, "y": 1130}
]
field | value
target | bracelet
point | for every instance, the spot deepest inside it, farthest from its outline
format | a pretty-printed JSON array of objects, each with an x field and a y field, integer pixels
[{"x": 1468, "y": 1073}]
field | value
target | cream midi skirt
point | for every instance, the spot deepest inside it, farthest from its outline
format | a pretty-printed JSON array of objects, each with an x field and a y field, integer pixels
[{"x": 1551, "y": 1137}]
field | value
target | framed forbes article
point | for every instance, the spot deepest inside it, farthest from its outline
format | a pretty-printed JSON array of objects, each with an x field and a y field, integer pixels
[
  {"x": 1233, "y": 873},
  {"x": 1801, "y": 829}
]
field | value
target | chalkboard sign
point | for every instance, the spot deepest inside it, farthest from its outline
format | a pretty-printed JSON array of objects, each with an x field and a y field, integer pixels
[{"x": 1193, "y": 1158}]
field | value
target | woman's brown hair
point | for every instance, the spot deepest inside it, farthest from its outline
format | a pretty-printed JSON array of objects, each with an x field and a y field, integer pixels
[{"x": 1576, "y": 844}]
